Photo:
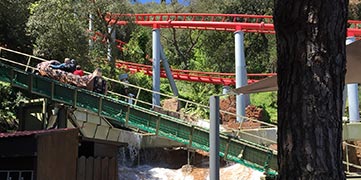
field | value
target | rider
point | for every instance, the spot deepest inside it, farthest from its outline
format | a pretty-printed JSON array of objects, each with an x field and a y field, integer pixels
[
  {"x": 78, "y": 71},
  {"x": 67, "y": 66}
]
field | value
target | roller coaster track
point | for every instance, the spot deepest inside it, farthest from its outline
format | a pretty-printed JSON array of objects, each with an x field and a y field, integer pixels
[
  {"x": 185, "y": 75},
  {"x": 193, "y": 76},
  {"x": 202, "y": 21}
]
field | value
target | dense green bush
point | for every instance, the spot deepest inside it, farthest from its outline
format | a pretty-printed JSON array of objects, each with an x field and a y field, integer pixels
[
  {"x": 268, "y": 101},
  {"x": 10, "y": 100}
]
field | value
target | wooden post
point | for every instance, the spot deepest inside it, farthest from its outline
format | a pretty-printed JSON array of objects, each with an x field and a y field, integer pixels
[
  {"x": 127, "y": 116},
  {"x": 191, "y": 137},
  {"x": 75, "y": 97},
  {"x": 136, "y": 98},
  {"x": 52, "y": 90},
  {"x": 28, "y": 63},
  {"x": 30, "y": 84},
  {"x": 227, "y": 147},
  {"x": 157, "y": 126},
  {"x": 100, "y": 103}
]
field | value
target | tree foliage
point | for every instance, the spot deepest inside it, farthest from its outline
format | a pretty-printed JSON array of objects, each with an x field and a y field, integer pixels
[
  {"x": 58, "y": 29},
  {"x": 138, "y": 49},
  {"x": 268, "y": 101},
  {"x": 354, "y": 10},
  {"x": 13, "y": 17},
  {"x": 10, "y": 101}
]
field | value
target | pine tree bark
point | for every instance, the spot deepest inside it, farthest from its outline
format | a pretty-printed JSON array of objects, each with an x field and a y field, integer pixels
[{"x": 311, "y": 51}]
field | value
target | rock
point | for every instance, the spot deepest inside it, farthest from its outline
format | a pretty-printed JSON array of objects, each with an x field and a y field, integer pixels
[
  {"x": 171, "y": 105},
  {"x": 230, "y": 121},
  {"x": 187, "y": 169}
]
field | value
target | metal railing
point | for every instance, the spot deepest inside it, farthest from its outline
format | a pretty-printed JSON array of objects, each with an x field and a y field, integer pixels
[
  {"x": 352, "y": 167},
  {"x": 252, "y": 154},
  {"x": 16, "y": 174},
  {"x": 29, "y": 65}
]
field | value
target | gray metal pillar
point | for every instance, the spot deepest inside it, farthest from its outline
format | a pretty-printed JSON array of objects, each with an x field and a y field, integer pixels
[
  {"x": 156, "y": 66},
  {"x": 344, "y": 97},
  {"x": 111, "y": 42},
  {"x": 241, "y": 74},
  {"x": 352, "y": 92},
  {"x": 91, "y": 30},
  {"x": 168, "y": 71},
  {"x": 214, "y": 138},
  {"x": 225, "y": 89}
]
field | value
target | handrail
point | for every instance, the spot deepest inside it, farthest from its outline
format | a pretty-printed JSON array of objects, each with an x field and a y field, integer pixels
[
  {"x": 347, "y": 160},
  {"x": 141, "y": 89},
  {"x": 147, "y": 111},
  {"x": 137, "y": 87},
  {"x": 263, "y": 124},
  {"x": 241, "y": 151}
]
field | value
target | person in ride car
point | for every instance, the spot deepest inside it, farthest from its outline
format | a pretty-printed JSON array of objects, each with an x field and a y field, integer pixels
[
  {"x": 78, "y": 71},
  {"x": 67, "y": 66}
]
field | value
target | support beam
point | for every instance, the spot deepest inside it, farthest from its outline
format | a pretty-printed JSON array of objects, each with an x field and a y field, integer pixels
[
  {"x": 62, "y": 117},
  {"x": 214, "y": 138},
  {"x": 91, "y": 30},
  {"x": 351, "y": 131},
  {"x": 225, "y": 89},
  {"x": 156, "y": 66},
  {"x": 241, "y": 74},
  {"x": 168, "y": 71},
  {"x": 111, "y": 42},
  {"x": 352, "y": 92}
]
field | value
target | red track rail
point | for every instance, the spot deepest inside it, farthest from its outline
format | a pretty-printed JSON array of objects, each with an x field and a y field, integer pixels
[
  {"x": 119, "y": 43},
  {"x": 193, "y": 76},
  {"x": 202, "y": 21},
  {"x": 223, "y": 22}
]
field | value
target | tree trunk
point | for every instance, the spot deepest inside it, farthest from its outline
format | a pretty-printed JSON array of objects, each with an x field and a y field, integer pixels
[{"x": 311, "y": 51}]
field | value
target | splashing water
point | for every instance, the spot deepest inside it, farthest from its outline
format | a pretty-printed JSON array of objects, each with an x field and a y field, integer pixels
[{"x": 129, "y": 169}]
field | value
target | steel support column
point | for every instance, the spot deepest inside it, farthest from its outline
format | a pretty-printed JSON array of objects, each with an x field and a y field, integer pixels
[
  {"x": 352, "y": 93},
  {"x": 225, "y": 89},
  {"x": 156, "y": 66},
  {"x": 241, "y": 74},
  {"x": 214, "y": 138},
  {"x": 168, "y": 71}
]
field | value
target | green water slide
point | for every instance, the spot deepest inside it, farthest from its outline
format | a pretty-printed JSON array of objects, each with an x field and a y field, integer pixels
[{"x": 251, "y": 154}]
